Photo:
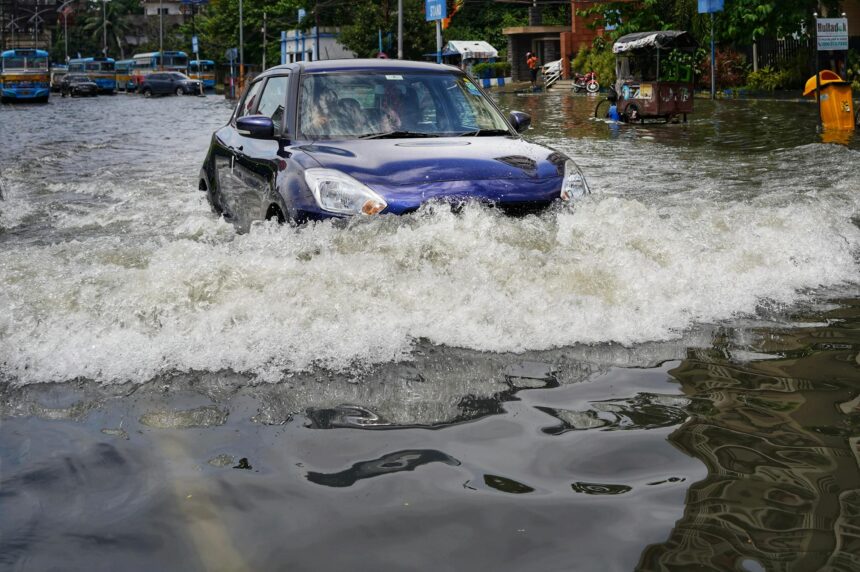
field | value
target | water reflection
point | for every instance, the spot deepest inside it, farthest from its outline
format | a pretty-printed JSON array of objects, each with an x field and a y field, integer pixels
[
  {"x": 391, "y": 463},
  {"x": 600, "y": 488},
  {"x": 642, "y": 411},
  {"x": 837, "y": 136},
  {"x": 780, "y": 444}
]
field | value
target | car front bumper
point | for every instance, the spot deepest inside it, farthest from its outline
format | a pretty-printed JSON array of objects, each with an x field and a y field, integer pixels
[{"x": 510, "y": 195}]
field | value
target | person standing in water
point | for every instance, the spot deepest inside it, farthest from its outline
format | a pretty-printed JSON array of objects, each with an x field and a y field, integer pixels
[{"x": 532, "y": 62}]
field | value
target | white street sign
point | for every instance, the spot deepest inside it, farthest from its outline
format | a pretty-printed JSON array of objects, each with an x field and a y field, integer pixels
[{"x": 832, "y": 34}]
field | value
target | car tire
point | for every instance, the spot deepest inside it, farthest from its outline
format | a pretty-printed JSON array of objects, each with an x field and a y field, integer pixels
[
  {"x": 147, "y": 92},
  {"x": 179, "y": 91}
]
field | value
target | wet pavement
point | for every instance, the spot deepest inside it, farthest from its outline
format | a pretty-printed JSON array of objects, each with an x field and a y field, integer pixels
[{"x": 665, "y": 378}]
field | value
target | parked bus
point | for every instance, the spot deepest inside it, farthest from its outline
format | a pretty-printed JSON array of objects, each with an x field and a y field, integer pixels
[
  {"x": 125, "y": 75},
  {"x": 101, "y": 70},
  {"x": 145, "y": 64},
  {"x": 58, "y": 72},
  {"x": 204, "y": 70},
  {"x": 25, "y": 76}
]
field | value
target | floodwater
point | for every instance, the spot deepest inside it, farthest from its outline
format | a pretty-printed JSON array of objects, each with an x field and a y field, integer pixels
[{"x": 664, "y": 378}]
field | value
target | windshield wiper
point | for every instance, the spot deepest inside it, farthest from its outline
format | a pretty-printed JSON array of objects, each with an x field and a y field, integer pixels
[
  {"x": 397, "y": 135},
  {"x": 485, "y": 132}
]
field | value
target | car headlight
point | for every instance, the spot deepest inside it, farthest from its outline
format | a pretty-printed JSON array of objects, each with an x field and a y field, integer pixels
[
  {"x": 574, "y": 184},
  {"x": 337, "y": 192}
]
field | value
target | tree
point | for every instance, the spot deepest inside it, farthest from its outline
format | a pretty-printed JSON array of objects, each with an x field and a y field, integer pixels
[
  {"x": 86, "y": 27},
  {"x": 740, "y": 23}
]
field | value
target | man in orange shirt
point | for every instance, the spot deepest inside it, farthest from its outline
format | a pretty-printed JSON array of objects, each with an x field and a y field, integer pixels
[{"x": 532, "y": 62}]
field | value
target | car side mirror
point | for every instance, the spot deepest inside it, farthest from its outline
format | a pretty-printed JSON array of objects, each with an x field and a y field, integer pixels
[
  {"x": 256, "y": 126},
  {"x": 520, "y": 120}
]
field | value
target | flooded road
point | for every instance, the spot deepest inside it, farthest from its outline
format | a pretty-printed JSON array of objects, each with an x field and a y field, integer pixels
[{"x": 666, "y": 377}]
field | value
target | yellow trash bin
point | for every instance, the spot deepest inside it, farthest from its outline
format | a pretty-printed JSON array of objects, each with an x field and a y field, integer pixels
[{"x": 837, "y": 107}]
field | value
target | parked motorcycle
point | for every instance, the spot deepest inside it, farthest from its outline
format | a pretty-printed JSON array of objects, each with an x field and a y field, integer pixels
[{"x": 587, "y": 82}]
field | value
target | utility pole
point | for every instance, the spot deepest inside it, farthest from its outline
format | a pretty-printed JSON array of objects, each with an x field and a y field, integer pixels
[
  {"x": 317, "y": 22},
  {"x": 399, "y": 29},
  {"x": 241, "y": 50},
  {"x": 713, "y": 62},
  {"x": 160, "y": 35},
  {"x": 104, "y": 27},
  {"x": 264, "y": 40}
]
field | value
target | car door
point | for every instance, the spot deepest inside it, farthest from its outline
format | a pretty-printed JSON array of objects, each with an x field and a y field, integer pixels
[
  {"x": 257, "y": 160},
  {"x": 172, "y": 83},
  {"x": 256, "y": 163},
  {"x": 225, "y": 143},
  {"x": 156, "y": 82}
]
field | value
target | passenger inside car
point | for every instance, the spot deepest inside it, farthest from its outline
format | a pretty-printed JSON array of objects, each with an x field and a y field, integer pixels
[{"x": 324, "y": 117}]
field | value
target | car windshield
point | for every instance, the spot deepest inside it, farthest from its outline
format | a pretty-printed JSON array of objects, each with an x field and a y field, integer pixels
[
  {"x": 358, "y": 105},
  {"x": 80, "y": 79},
  {"x": 177, "y": 75}
]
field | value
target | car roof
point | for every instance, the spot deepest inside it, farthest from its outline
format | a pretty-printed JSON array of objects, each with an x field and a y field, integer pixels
[{"x": 366, "y": 64}]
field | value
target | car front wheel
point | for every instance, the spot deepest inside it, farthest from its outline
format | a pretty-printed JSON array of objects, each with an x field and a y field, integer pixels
[
  {"x": 179, "y": 91},
  {"x": 147, "y": 92}
]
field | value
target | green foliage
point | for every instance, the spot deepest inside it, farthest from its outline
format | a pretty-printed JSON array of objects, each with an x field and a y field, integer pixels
[
  {"x": 86, "y": 26},
  {"x": 679, "y": 65},
  {"x": 852, "y": 71},
  {"x": 360, "y": 22},
  {"x": 740, "y": 23},
  {"x": 491, "y": 70},
  {"x": 601, "y": 60},
  {"x": 730, "y": 65},
  {"x": 768, "y": 79},
  {"x": 366, "y": 17}
]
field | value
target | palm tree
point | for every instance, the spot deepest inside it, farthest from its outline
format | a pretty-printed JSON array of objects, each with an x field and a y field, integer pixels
[{"x": 116, "y": 15}]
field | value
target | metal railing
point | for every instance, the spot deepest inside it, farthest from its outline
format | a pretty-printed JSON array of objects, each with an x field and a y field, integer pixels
[{"x": 551, "y": 73}]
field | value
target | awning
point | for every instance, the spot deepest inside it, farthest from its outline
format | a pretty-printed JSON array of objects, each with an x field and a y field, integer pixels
[
  {"x": 653, "y": 40},
  {"x": 470, "y": 49}
]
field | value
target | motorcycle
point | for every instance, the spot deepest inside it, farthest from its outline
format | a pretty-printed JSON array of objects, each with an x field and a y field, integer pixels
[{"x": 587, "y": 82}]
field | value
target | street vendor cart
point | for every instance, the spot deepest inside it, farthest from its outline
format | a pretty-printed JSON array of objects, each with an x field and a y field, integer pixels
[{"x": 655, "y": 77}]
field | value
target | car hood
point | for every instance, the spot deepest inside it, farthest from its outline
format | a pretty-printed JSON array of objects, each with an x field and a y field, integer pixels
[{"x": 395, "y": 162}]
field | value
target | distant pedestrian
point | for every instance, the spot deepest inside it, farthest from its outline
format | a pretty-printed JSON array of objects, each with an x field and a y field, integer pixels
[{"x": 532, "y": 62}]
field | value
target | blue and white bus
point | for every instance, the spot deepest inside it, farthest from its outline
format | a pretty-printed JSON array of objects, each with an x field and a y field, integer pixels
[
  {"x": 100, "y": 70},
  {"x": 125, "y": 75},
  {"x": 25, "y": 75},
  {"x": 145, "y": 64},
  {"x": 204, "y": 70}
]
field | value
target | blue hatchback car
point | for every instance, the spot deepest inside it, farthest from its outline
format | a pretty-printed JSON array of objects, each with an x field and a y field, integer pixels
[{"x": 340, "y": 138}]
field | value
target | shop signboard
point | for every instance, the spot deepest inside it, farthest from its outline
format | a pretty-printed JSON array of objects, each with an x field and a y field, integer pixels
[{"x": 832, "y": 34}]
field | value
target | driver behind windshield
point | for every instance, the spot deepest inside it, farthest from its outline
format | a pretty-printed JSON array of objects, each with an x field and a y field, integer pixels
[{"x": 399, "y": 107}]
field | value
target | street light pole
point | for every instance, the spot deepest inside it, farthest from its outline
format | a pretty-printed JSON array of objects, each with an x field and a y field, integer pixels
[
  {"x": 104, "y": 28},
  {"x": 35, "y": 19},
  {"x": 62, "y": 8}
]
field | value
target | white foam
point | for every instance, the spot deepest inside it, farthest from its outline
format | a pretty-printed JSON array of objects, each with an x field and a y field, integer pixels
[{"x": 282, "y": 298}]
